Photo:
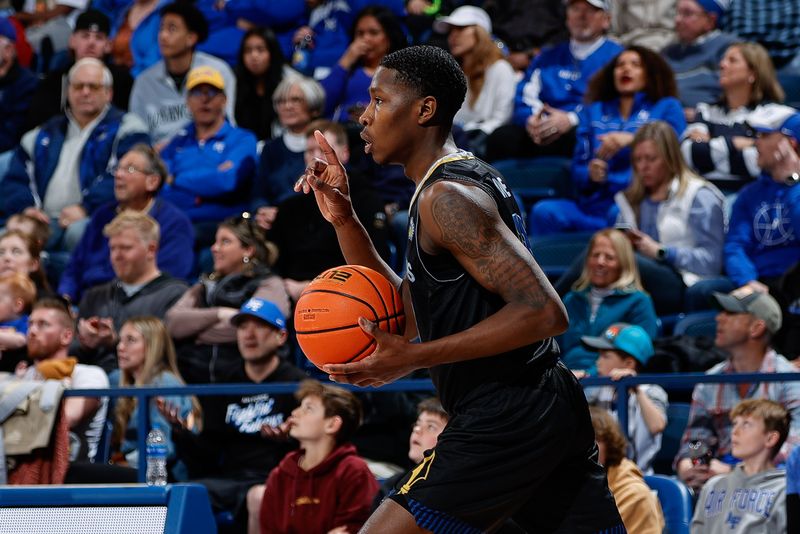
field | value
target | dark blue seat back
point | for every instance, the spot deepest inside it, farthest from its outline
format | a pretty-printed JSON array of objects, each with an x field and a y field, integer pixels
[{"x": 676, "y": 502}]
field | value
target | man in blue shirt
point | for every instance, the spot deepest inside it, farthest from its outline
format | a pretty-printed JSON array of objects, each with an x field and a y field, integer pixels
[
  {"x": 211, "y": 163},
  {"x": 551, "y": 93},
  {"x": 762, "y": 242}
]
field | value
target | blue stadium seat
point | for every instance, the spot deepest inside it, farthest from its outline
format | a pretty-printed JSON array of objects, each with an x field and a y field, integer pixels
[
  {"x": 697, "y": 324},
  {"x": 677, "y": 418},
  {"x": 533, "y": 179},
  {"x": 676, "y": 502},
  {"x": 555, "y": 253},
  {"x": 791, "y": 85}
]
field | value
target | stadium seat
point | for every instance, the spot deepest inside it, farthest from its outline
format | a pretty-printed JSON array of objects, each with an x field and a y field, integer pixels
[
  {"x": 533, "y": 179},
  {"x": 555, "y": 253},
  {"x": 697, "y": 324},
  {"x": 677, "y": 418},
  {"x": 791, "y": 85},
  {"x": 676, "y": 502}
]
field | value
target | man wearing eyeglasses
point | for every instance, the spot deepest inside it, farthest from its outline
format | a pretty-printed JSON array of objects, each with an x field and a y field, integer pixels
[
  {"x": 137, "y": 180},
  {"x": 59, "y": 173},
  {"x": 698, "y": 49},
  {"x": 211, "y": 163}
]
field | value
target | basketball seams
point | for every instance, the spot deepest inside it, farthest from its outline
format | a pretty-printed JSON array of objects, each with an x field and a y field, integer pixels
[
  {"x": 388, "y": 318},
  {"x": 377, "y": 291},
  {"x": 342, "y": 343},
  {"x": 346, "y": 295}
]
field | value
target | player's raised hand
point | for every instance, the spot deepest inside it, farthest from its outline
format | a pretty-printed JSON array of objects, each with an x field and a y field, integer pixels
[
  {"x": 328, "y": 180},
  {"x": 392, "y": 359}
]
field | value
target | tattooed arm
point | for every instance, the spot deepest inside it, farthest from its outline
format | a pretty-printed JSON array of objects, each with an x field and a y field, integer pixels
[{"x": 463, "y": 220}]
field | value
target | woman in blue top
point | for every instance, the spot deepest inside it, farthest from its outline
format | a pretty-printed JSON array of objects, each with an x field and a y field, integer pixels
[
  {"x": 638, "y": 86},
  {"x": 608, "y": 291},
  {"x": 676, "y": 222},
  {"x": 376, "y": 32},
  {"x": 146, "y": 357}
]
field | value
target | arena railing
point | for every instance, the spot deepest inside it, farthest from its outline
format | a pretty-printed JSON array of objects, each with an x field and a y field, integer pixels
[{"x": 667, "y": 381}]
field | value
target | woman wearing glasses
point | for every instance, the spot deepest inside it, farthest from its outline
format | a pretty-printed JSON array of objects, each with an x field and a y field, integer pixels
[
  {"x": 200, "y": 320},
  {"x": 298, "y": 101}
]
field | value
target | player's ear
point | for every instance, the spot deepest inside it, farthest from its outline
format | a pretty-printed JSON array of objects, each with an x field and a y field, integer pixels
[{"x": 427, "y": 110}]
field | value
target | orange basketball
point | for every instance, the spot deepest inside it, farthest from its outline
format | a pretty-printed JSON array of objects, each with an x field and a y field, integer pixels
[{"x": 327, "y": 312}]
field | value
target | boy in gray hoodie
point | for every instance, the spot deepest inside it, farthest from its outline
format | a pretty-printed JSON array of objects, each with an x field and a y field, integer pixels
[{"x": 752, "y": 497}]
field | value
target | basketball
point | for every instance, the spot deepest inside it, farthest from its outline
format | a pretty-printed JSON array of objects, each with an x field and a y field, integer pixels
[{"x": 327, "y": 312}]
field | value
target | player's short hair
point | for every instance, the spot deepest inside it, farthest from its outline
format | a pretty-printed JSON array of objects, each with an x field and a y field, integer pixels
[
  {"x": 337, "y": 402},
  {"x": 21, "y": 287},
  {"x": 776, "y": 418},
  {"x": 433, "y": 405},
  {"x": 431, "y": 71}
]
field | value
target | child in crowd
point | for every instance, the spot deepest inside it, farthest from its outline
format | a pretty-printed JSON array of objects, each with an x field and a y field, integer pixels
[
  {"x": 752, "y": 497},
  {"x": 623, "y": 350},
  {"x": 17, "y": 293},
  {"x": 431, "y": 420},
  {"x": 324, "y": 485},
  {"x": 640, "y": 510}
]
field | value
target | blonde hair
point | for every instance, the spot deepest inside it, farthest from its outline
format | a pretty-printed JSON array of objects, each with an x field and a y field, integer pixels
[
  {"x": 628, "y": 273},
  {"x": 140, "y": 222},
  {"x": 766, "y": 86},
  {"x": 478, "y": 60},
  {"x": 666, "y": 141},
  {"x": 159, "y": 357},
  {"x": 20, "y": 287},
  {"x": 775, "y": 417}
]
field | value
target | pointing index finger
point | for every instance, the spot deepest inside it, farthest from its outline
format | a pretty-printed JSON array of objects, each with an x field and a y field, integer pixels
[{"x": 330, "y": 155}]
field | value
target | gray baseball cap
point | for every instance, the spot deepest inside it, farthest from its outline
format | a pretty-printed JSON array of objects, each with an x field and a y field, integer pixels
[{"x": 760, "y": 305}]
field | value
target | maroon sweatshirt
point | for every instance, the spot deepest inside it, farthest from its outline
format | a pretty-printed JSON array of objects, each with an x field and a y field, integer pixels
[{"x": 337, "y": 492}]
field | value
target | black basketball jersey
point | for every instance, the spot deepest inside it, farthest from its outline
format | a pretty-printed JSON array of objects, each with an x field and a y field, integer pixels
[{"x": 447, "y": 300}]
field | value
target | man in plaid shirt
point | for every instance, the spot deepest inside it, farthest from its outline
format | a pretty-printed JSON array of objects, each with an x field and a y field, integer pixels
[
  {"x": 745, "y": 325},
  {"x": 773, "y": 23}
]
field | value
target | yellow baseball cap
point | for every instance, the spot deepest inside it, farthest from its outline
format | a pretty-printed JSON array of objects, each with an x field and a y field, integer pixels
[{"x": 205, "y": 75}]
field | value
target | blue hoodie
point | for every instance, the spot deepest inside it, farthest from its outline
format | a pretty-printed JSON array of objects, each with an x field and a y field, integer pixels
[
  {"x": 763, "y": 231},
  {"x": 600, "y": 118},
  {"x": 622, "y": 306},
  {"x": 556, "y": 78},
  {"x": 211, "y": 180}
]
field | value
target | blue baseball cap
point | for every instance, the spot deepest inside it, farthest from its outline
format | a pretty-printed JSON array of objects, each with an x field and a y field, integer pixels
[
  {"x": 261, "y": 309},
  {"x": 7, "y": 30},
  {"x": 790, "y": 127},
  {"x": 715, "y": 7},
  {"x": 628, "y": 338}
]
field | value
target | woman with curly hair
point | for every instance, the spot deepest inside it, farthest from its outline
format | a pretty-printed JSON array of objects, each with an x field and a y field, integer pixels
[{"x": 635, "y": 88}]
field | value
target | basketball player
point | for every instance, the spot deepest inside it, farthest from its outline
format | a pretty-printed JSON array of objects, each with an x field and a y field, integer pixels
[{"x": 519, "y": 444}]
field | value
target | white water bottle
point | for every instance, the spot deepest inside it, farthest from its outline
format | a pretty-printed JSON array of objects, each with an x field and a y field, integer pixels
[{"x": 156, "y": 458}]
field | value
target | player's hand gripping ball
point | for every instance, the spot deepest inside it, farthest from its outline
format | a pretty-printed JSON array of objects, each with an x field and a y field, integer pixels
[{"x": 327, "y": 312}]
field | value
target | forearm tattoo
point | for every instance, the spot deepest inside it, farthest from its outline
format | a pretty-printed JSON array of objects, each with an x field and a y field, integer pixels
[{"x": 471, "y": 228}]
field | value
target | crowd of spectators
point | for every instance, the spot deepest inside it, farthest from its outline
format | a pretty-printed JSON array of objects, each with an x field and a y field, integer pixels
[{"x": 148, "y": 154}]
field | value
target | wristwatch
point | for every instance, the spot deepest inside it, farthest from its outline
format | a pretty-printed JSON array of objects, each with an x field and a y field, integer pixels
[
  {"x": 792, "y": 179},
  {"x": 661, "y": 255}
]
